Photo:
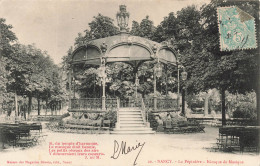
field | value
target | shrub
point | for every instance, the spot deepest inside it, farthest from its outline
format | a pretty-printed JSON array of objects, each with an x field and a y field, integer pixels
[
  {"x": 153, "y": 122},
  {"x": 112, "y": 116},
  {"x": 65, "y": 115},
  {"x": 245, "y": 110}
]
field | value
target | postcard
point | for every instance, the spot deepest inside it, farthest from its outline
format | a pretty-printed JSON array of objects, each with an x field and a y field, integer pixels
[{"x": 120, "y": 82}]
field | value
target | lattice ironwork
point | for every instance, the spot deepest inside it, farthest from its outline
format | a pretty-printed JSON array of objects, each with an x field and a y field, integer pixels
[
  {"x": 166, "y": 104},
  {"x": 111, "y": 104},
  {"x": 149, "y": 103},
  {"x": 86, "y": 104}
]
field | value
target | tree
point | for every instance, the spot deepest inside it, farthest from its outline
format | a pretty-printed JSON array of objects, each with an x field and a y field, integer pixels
[
  {"x": 100, "y": 27},
  {"x": 7, "y": 37},
  {"x": 135, "y": 30},
  {"x": 167, "y": 29},
  {"x": 208, "y": 67},
  {"x": 145, "y": 29},
  {"x": 32, "y": 74}
]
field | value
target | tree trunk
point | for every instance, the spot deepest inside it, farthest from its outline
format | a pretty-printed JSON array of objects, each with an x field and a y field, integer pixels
[
  {"x": 19, "y": 108},
  {"x": 39, "y": 106},
  {"x": 46, "y": 107},
  {"x": 206, "y": 105},
  {"x": 183, "y": 101},
  {"x": 94, "y": 91},
  {"x": 258, "y": 104},
  {"x": 166, "y": 80},
  {"x": 51, "y": 109},
  {"x": 55, "y": 108},
  {"x": 16, "y": 104},
  {"x": 24, "y": 112},
  {"x": 223, "y": 105},
  {"x": 29, "y": 104}
]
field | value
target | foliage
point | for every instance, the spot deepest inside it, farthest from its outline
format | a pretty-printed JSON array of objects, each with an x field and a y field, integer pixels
[
  {"x": 100, "y": 27},
  {"x": 145, "y": 29},
  {"x": 111, "y": 115},
  {"x": 245, "y": 110},
  {"x": 153, "y": 122},
  {"x": 208, "y": 67},
  {"x": 65, "y": 115},
  {"x": 167, "y": 29},
  {"x": 33, "y": 74},
  {"x": 7, "y": 37}
]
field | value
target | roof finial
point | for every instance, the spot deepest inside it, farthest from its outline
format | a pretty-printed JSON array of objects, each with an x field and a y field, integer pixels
[{"x": 122, "y": 18}]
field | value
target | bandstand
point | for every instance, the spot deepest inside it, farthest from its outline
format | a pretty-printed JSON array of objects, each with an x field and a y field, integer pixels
[{"x": 133, "y": 50}]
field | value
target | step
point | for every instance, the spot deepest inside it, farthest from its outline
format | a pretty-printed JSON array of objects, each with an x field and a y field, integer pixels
[
  {"x": 133, "y": 129},
  {"x": 126, "y": 108},
  {"x": 130, "y": 118},
  {"x": 131, "y": 122},
  {"x": 132, "y": 132},
  {"x": 129, "y": 110},
  {"x": 129, "y": 113},
  {"x": 131, "y": 125}
]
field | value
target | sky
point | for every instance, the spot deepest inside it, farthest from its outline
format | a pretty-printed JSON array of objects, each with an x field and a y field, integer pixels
[{"x": 54, "y": 24}]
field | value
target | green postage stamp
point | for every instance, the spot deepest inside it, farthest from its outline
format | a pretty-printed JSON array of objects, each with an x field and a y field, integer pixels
[{"x": 236, "y": 28}]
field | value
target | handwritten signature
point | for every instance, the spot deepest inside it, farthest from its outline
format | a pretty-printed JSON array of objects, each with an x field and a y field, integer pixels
[{"x": 124, "y": 150}]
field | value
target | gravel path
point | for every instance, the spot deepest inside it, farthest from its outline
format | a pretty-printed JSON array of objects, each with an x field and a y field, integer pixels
[{"x": 156, "y": 150}]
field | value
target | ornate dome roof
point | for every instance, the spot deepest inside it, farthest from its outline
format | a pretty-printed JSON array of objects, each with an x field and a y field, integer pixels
[{"x": 123, "y": 48}]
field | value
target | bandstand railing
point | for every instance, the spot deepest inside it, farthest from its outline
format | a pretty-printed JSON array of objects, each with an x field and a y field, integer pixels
[
  {"x": 166, "y": 104},
  {"x": 113, "y": 104},
  {"x": 92, "y": 105},
  {"x": 160, "y": 104},
  {"x": 149, "y": 103}
]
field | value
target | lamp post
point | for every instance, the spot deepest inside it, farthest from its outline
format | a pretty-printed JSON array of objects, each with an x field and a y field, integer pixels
[
  {"x": 184, "y": 75},
  {"x": 136, "y": 85},
  {"x": 157, "y": 73},
  {"x": 102, "y": 74},
  {"x": 178, "y": 82}
]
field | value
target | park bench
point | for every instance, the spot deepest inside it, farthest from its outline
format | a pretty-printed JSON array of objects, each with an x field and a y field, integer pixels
[
  {"x": 19, "y": 134},
  {"x": 182, "y": 127},
  {"x": 238, "y": 138},
  {"x": 106, "y": 123}
]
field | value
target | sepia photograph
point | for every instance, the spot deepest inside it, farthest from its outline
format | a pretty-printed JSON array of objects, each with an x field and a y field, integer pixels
[{"x": 129, "y": 83}]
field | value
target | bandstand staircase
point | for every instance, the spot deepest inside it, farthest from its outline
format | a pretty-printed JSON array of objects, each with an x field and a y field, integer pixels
[{"x": 131, "y": 121}]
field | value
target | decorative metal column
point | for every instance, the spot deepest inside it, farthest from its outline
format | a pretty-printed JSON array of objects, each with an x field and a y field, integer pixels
[
  {"x": 157, "y": 73},
  {"x": 136, "y": 84},
  {"x": 154, "y": 92},
  {"x": 183, "y": 101},
  {"x": 16, "y": 105},
  {"x": 166, "y": 80},
  {"x": 178, "y": 89},
  {"x": 102, "y": 75},
  {"x": 184, "y": 75},
  {"x": 69, "y": 79},
  {"x": 103, "y": 79}
]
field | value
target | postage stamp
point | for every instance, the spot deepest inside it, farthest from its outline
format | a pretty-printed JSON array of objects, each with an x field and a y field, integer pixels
[{"x": 236, "y": 28}]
